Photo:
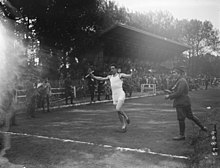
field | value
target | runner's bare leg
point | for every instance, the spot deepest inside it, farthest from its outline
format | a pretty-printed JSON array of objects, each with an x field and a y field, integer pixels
[
  {"x": 121, "y": 114},
  {"x": 120, "y": 117}
]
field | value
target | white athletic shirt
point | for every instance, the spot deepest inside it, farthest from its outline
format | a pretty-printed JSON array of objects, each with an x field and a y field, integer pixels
[{"x": 116, "y": 82}]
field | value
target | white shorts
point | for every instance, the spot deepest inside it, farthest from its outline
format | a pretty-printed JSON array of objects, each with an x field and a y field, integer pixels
[{"x": 118, "y": 96}]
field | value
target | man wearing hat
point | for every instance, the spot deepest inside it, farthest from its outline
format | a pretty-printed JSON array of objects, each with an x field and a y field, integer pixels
[{"x": 182, "y": 102}]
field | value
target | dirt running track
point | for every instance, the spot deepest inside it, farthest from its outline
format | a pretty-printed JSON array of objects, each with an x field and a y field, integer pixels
[{"x": 89, "y": 137}]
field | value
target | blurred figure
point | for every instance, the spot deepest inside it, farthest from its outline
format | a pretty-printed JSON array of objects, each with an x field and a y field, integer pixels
[
  {"x": 83, "y": 87},
  {"x": 107, "y": 90},
  {"x": 31, "y": 96},
  {"x": 91, "y": 85},
  {"x": 46, "y": 94},
  {"x": 214, "y": 82},
  {"x": 61, "y": 81},
  {"x": 8, "y": 92},
  {"x": 7, "y": 97},
  {"x": 206, "y": 82},
  {"x": 128, "y": 87},
  {"x": 68, "y": 89},
  {"x": 39, "y": 85},
  {"x": 99, "y": 89},
  {"x": 7, "y": 103}
]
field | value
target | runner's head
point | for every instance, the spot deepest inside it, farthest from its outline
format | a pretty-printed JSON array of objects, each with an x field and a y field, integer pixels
[{"x": 113, "y": 69}]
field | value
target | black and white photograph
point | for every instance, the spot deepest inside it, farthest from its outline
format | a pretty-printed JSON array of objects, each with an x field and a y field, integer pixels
[{"x": 109, "y": 83}]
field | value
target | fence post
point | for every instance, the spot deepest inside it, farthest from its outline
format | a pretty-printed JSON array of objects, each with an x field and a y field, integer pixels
[
  {"x": 142, "y": 88},
  {"x": 155, "y": 89},
  {"x": 74, "y": 91},
  {"x": 16, "y": 96}
]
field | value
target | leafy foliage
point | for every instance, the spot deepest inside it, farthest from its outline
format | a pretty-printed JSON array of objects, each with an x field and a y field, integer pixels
[{"x": 68, "y": 29}]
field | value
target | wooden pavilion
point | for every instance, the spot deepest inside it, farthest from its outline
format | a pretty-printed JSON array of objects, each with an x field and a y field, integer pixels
[{"x": 122, "y": 41}]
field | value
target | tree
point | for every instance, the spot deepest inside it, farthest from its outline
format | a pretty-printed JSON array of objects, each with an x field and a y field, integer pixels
[
  {"x": 161, "y": 23},
  {"x": 201, "y": 36},
  {"x": 71, "y": 28},
  {"x": 110, "y": 14},
  {"x": 62, "y": 25}
]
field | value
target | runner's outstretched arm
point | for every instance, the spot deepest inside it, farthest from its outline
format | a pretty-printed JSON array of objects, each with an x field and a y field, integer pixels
[
  {"x": 126, "y": 75},
  {"x": 99, "y": 77}
]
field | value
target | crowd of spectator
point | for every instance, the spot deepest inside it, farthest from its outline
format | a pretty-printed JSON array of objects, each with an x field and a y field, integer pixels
[
  {"x": 38, "y": 93},
  {"x": 144, "y": 73}
]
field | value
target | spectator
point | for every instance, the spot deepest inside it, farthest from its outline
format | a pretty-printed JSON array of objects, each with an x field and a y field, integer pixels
[
  {"x": 68, "y": 89},
  {"x": 81, "y": 89},
  {"x": 44, "y": 91},
  {"x": 39, "y": 97},
  {"x": 107, "y": 90},
  {"x": 128, "y": 87},
  {"x": 31, "y": 94},
  {"x": 6, "y": 117},
  {"x": 47, "y": 94},
  {"x": 91, "y": 85},
  {"x": 206, "y": 82},
  {"x": 99, "y": 89}
]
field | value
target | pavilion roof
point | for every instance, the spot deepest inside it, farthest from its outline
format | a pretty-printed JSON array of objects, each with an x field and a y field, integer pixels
[{"x": 153, "y": 45}]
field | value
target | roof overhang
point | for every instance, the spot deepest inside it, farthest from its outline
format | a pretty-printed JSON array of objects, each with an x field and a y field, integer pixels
[{"x": 136, "y": 38}]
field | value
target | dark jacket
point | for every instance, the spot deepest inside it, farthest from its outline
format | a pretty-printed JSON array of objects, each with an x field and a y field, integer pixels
[
  {"x": 180, "y": 94},
  {"x": 91, "y": 83}
]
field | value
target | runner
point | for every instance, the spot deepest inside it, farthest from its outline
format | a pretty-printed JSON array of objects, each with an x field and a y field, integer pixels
[{"x": 118, "y": 95}]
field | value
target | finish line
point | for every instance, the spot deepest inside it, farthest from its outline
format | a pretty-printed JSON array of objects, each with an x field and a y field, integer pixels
[{"x": 145, "y": 150}]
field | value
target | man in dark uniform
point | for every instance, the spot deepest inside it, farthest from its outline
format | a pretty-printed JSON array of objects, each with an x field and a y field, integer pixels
[
  {"x": 68, "y": 89},
  {"x": 182, "y": 102},
  {"x": 91, "y": 85}
]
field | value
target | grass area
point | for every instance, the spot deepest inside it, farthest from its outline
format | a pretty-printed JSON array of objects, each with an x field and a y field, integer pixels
[
  {"x": 153, "y": 124},
  {"x": 202, "y": 156}
]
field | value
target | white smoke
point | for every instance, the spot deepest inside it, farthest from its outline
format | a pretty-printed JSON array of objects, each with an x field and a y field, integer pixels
[
  {"x": 3, "y": 44},
  {"x": 11, "y": 51}
]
